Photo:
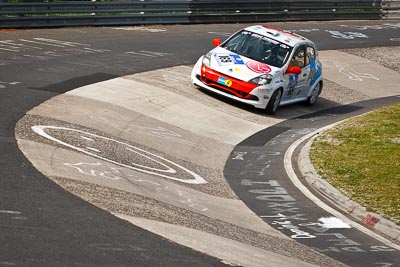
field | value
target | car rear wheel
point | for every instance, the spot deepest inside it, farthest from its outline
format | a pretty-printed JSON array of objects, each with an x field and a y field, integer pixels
[
  {"x": 274, "y": 102},
  {"x": 312, "y": 99}
]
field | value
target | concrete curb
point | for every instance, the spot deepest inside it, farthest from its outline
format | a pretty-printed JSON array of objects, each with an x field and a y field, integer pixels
[{"x": 339, "y": 200}]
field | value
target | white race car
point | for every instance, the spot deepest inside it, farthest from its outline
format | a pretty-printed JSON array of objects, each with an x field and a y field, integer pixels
[{"x": 262, "y": 66}]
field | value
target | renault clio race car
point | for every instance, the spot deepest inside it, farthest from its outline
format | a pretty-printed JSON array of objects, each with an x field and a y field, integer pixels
[{"x": 263, "y": 67}]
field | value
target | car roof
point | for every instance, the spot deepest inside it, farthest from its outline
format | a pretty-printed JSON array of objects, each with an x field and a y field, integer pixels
[{"x": 282, "y": 36}]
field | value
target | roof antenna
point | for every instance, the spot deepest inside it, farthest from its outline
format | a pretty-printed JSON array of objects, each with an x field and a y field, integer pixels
[{"x": 284, "y": 25}]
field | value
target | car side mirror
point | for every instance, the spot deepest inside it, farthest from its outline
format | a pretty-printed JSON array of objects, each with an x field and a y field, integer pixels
[
  {"x": 216, "y": 42},
  {"x": 293, "y": 70}
]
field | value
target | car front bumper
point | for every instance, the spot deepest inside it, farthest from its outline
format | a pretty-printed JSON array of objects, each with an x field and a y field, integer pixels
[{"x": 245, "y": 92}]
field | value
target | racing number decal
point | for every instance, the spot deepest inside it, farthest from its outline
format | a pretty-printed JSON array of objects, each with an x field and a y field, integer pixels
[{"x": 293, "y": 81}]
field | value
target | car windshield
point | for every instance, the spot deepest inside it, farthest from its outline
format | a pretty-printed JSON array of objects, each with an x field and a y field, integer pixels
[{"x": 259, "y": 48}]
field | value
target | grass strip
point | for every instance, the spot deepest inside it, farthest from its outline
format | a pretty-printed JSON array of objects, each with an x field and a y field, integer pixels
[{"x": 361, "y": 158}]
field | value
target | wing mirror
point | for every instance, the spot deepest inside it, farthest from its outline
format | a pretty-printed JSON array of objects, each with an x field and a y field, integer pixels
[
  {"x": 216, "y": 41},
  {"x": 293, "y": 70}
]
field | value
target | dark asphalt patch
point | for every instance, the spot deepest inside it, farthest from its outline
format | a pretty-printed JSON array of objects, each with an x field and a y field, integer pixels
[
  {"x": 73, "y": 83},
  {"x": 262, "y": 137}
]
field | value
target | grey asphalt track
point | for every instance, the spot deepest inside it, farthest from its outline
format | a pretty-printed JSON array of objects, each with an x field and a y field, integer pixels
[
  {"x": 40, "y": 223},
  {"x": 284, "y": 206}
]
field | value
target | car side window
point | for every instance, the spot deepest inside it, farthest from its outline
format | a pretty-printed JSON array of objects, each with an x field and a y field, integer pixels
[{"x": 298, "y": 58}]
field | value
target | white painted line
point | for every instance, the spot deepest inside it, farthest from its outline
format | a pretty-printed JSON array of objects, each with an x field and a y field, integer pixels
[
  {"x": 139, "y": 29},
  {"x": 11, "y": 43},
  {"x": 93, "y": 149},
  {"x": 158, "y": 54},
  {"x": 226, "y": 34},
  {"x": 10, "y": 212},
  {"x": 60, "y": 42},
  {"x": 87, "y": 138},
  {"x": 148, "y": 53},
  {"x": 166, "y": 170},
  {"x": 34, "y": 42},
  {"x": 6, "y": 49},
  {"x": 295, "y": 180},
  {"x": 95, "y": 50},
  {"x": 140, "y": 54}
]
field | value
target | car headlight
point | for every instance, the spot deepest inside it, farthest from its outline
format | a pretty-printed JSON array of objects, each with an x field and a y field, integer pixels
[
  {"x": 262, "y": 79},
  {"x": 207, "y": 60}
]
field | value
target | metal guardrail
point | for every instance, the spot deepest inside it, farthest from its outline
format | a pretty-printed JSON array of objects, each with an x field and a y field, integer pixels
[
  {"x": 391, "y": 9},
  {"x": 30, "y": 13}
]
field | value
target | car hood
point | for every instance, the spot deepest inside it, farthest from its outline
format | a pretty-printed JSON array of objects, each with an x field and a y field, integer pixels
[{"x": 237, "y": 66}]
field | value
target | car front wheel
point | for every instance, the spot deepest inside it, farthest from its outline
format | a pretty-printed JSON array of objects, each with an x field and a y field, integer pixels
[{"x": 274, "y": 102}]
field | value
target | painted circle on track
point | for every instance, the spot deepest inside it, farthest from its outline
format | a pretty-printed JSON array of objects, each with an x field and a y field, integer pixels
[
  {"x": 258, "y": 67},
  {"x": 132, "y": 157}
]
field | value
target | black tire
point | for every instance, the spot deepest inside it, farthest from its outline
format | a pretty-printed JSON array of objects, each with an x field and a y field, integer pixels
[
  {"x": 312, "y": 99},
  {"x": 274, "y": 102}
]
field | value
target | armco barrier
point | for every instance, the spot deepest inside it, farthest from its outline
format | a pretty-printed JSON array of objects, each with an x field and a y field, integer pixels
[
  {"x": 391, "y": 9},
  {"x": 29, "y": 14}
]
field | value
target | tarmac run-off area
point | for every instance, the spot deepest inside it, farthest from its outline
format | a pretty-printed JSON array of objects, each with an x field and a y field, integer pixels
[{"x": 150, "y": 148}]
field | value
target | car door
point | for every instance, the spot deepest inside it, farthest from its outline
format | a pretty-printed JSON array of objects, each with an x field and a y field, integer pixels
[
  {"x": 314, "y": 66},
  {"x": 298, "y": 85}
]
